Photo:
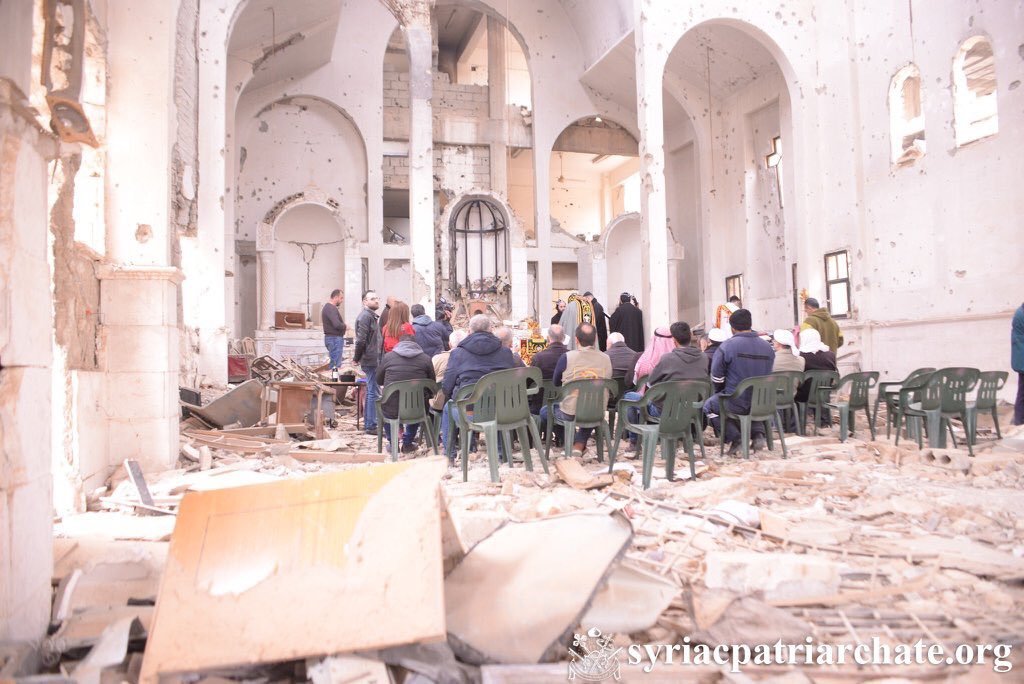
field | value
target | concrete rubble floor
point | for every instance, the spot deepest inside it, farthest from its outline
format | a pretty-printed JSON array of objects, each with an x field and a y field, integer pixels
[{"x": 842, "y": 541}]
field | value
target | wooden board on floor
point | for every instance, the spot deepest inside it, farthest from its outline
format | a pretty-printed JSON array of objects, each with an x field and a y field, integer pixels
[
  {"x": 313, "y": 456},
  {"x": 299, "y": 568}
]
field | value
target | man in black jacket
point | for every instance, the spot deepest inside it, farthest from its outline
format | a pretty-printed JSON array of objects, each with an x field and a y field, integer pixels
[
  {"x": 405, "y": 362},
  {"x": 334, "y": 328},
  {"x": 629, "y": 320},
  {"x": 623, "y": 358},
  {"x": 367, "y": 355},
  {"x": 546, "y": 359},
  {"x": 600, "y": 320}
]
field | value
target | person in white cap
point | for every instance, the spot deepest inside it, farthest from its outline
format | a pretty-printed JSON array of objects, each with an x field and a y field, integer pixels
[
  {"x": 710, "y": 344},
  {"x": 787, "y": 356},
  {"x": 816, "y": 356}
]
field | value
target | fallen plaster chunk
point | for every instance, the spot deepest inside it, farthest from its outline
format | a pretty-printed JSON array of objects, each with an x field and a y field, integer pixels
[
  {"x": 631, "y": 601},
  {"x": 344, "y": 669},
  {"x": 947, "y": 459},
  {"x": 517, "y": 596},
  {"x": 330, "y": 563},
  {"x": 110, "y": 650},
  {"x": 111, "y": 525},
  {"x": 783, "y": 576},
  {"x": 575, "y": 475}
]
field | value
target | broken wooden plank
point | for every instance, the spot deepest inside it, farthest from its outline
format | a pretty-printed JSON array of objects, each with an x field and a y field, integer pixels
[
  {"x": 331, "y": 563},
  {"x": 313, "y": 456},
  {"x": 137, "y": 479}
]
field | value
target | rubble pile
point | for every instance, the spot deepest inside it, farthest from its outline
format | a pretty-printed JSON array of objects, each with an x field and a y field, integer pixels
[{"x": 273, "y": 555}]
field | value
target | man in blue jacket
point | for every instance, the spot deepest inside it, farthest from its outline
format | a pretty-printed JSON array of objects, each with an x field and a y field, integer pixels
[
  {"x": 1017, "y": 362},
  {"x": 742, "y": 356},
  {"x": 476, "y": 356},
  {"x": 430, "y": 334}
]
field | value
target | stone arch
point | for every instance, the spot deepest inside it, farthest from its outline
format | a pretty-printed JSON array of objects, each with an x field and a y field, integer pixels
[
  {"x": 975, "y": 104},
  {"x": 906, "y": 116},
  {"x": 267, "y": 241}
]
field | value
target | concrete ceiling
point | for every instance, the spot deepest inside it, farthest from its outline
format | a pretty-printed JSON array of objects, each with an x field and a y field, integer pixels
[
  {"x": 284, "y": 39},
  {"x": 737, "y": 60}
]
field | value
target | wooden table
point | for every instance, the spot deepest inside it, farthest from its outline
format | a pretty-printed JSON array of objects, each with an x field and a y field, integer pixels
[{"x": 293, "y": 401}]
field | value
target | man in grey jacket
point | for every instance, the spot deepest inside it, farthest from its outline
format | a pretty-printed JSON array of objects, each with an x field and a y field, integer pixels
[{"x": 367, "y": 355}]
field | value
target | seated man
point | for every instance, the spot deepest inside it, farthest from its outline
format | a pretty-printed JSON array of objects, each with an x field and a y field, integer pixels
[
  {"x": 816, "y": 356},
  {"x": 742, "y": 356},
  {"x": 476, "y": 356},
  {"x": 586, "y": 362},
  {"x": 546, "y": 359},
  {"x": 504, "y": 333},
  {"x": 405, "y": 362},
  {"x": 430, "y": 334},
  {"x": 684, "y": 362},
  {"x": 622, "y": 357}
]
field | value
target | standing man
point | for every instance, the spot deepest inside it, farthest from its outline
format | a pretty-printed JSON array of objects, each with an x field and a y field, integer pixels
[
  {"x": 742, "y": 356},
  {"x": 821, "y": 320},
  {"x": 1017, "y": 362},
  {"x": 334, "y": 328},
  {"x": 629, "y": 320},
  {"x": 367, "y": 355},
  {"x": 600, "y": 320}
]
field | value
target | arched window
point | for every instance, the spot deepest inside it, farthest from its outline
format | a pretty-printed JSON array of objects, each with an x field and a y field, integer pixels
[
  {"x": 974, "y": 91},
  {"x": 906, "y": 116},
  {"x": 479, "y": 239}
]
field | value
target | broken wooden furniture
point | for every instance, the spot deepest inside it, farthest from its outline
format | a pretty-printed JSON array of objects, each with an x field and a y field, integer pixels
[
  {"x": 989, "y": 384},
  {"x": 241, "y": 354},
  {"x": 682, "y": 408},
  {"x": 269, "y": 369},
  {"x": 331, "y": 563},
  {"x": 591, "y": 404},
  {"x": 294, "y": 400},
  {"x": 500, "y": 402},
  {"x": 889, "y": 392},
  {"x": 413, "y": 396},
  {"x": 764, "y": 401},
  {"x": 241, "y": 405},
  {"x": 857, "y": 386},
  {"x": 944, "y": 396},
  {"x": 815, "y": 381}
]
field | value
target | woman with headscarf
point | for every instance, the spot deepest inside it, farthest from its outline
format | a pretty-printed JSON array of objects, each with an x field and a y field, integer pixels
[{"x": 816, "y": 356}]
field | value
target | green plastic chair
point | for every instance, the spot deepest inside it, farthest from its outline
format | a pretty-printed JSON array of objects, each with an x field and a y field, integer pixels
[
  {"x": 764, "y": 402},
  {"x": 989, "y": 384},
  {"x": 818, "y": 380},
  {"x": 500, "y": 402},
  {"x": 859, "y": 386},
  {"x": 455, "y": 428},
  {"x": 591, "y": 403},
  {"x": 621, "y": 387},
  {"x": 682, "y": 412},
  {"x": 889, "y": 392},
  {"x": 551, "y": 396},
  {"x": 942, "y": 398},
  {"x": 789, "y": 384},
  {"x": 413, "y": 398}
]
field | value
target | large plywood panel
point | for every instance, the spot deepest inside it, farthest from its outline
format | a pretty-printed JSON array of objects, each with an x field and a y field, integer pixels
[{"x": 300, "y": 568}]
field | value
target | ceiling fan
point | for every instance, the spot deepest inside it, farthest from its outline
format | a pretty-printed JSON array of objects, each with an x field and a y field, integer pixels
[{"x": 562, "y": 180}]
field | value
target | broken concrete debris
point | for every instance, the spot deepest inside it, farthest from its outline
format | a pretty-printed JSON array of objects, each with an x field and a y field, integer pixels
[{"x": 489, "y": 581}]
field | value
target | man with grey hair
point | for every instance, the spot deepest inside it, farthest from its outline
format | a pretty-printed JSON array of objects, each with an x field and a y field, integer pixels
[
  {"x": 504, "y": 333},
  {"x": 622, "y": 357},
  {"x": 546, "y": 359},
  {"x": 476, "y": 356}
]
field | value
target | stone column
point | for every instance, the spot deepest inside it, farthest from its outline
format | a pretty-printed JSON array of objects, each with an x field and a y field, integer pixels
[
  {"x": 650, "y": 65},
  {"x": 421, "y": 154},
  {"x": 265, "y": 283},
  {"x": 139, "y": 291},
  {"x": 497, "y": 79},
  {"x": 26, "y": 327}
]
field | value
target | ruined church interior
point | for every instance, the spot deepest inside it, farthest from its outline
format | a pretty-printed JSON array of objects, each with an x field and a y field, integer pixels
[{"x": 189, "y": 492}]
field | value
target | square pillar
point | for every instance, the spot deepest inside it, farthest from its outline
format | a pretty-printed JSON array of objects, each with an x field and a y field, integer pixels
[{"x": 140, "y": 355}]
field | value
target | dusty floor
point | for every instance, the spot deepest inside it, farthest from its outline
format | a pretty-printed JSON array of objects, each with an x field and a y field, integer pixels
[{"x": 842, "y": 541}]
